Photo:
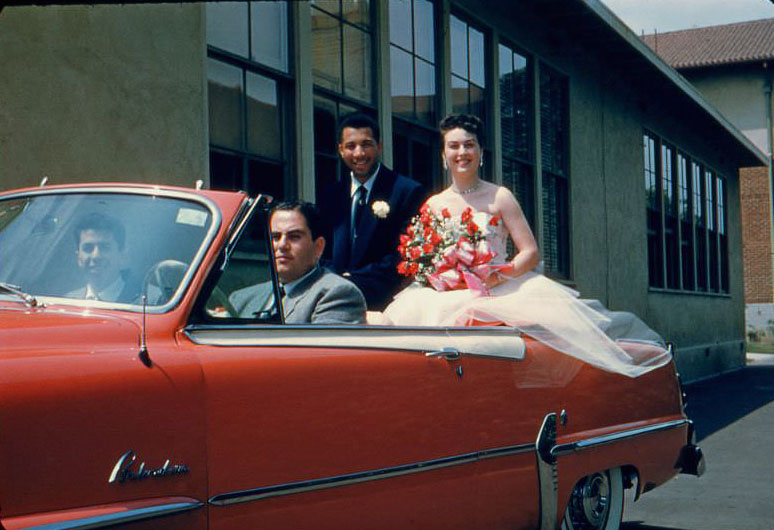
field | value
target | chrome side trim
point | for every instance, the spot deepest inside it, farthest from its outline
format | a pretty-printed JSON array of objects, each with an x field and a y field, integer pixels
[
  {"x": 128, "y": 516},
  {"x": 548, "y": 474},
  {"x": 501, "y": 342},
  {"x": 235, "y": 497},
  {"x": 596, "y": 441}
]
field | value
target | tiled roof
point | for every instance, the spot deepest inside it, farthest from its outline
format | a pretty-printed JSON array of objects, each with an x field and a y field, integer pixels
[{"x": 715, "y": 45}]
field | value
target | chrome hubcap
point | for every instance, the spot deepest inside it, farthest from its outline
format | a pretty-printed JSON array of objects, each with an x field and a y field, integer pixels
[{"x": 590, "y": 503}]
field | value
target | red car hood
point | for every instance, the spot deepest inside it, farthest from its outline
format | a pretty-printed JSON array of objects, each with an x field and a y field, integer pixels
[{"x": 43, "y": 332}]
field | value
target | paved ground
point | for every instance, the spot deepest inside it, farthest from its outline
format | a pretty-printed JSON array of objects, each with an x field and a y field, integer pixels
[{"x": 734, "y": 418}]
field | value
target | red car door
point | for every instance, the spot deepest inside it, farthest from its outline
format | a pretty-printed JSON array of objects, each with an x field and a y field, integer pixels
[{"x": 302, "y": 433}]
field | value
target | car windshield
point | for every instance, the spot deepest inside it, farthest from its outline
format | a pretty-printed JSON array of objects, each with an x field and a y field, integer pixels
[{"x": 100, "y": 248}]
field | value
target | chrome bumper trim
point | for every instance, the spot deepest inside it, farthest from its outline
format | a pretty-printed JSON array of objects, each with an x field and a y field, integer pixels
[
  {"x": 139, "y": 514},
  {"x": 291, "y": 488},
  {"x": 589, "y": 443}
]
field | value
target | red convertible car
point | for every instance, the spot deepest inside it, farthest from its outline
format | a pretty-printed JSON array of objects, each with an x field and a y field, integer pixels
[{"x": 129, "y": 394}]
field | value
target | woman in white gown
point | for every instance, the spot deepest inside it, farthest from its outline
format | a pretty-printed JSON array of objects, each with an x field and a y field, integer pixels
[{"x": 518, "y": 296}]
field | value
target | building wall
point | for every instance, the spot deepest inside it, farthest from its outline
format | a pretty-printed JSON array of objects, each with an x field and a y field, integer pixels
[
  {"x": 126, "y": 88},
  {"x": 757, "y": 233},
  {"x": 739, "y": 93},
  {"x": 104, "y": 93}
]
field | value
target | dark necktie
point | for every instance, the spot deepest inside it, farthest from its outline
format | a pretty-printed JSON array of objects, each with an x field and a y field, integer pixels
[{"x": 359, "y": 202}]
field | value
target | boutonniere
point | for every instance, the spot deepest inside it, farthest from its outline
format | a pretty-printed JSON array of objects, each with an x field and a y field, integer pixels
[{"x": 381, "y": 209}]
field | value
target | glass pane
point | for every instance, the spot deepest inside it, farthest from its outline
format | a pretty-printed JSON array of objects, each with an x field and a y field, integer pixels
[
  {"x": 326, "y": 51},
  {"x": 225, "y": 171},
  {"x": 477, "y": 103},
  {"x": 325, "y": 118},
  {"x": 264, "y": 136},
  {"x": 357, "y": 63},
  {"x": 400, "y": 154},
  {"x": 270, "y": 34},
  {"x": 507, "y": 104},
  {"x": 357, "y": 12},
  {"x": 331, "y": 6},
  {"x": 425, "y": 95},
  {"x": 227, "y": 26},
  {"x": 400, "y": 31},
  {"x": 459, "y": 95},
  {"x": 225, "y": 104},
  {"x": 401, "y": 83},
  {"x": 459, "y": 47},
  {"x": 424, "y": 30},
  {"x": 265, "y": 178},
  {"x": 476, "y": 57},
  {"x": 325, "y": 169}
]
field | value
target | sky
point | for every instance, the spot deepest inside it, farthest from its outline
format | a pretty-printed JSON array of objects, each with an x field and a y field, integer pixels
[{"x": 671, "y": 15}]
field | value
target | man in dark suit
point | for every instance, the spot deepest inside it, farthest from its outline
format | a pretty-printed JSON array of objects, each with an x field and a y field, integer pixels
[
  {"x": 368, "y": 213},
  {"x": 311, "y": 294}
]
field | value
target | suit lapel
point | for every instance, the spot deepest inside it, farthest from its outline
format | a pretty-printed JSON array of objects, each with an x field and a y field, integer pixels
[
  {"x": 293, "y": 298},
  {"x": 341, "y": 229},
  {"x": 381, "y": 192}
]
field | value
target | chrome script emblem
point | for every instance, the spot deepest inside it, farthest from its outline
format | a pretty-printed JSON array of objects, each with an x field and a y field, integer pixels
[{"x": 125, "y": 469}]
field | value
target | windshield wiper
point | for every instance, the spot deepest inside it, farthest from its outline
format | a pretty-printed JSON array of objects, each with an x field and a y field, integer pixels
[{"x": 16, "y": 291}]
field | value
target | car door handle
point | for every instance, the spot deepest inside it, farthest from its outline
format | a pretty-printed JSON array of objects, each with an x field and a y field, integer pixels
[{"x": 447, "y": 352}]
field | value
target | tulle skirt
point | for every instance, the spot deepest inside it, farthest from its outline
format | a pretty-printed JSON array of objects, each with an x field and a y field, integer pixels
[{"x": 545, "y": 310}]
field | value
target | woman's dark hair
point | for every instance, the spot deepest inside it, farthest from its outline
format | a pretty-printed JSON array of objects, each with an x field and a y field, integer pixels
[
  {"x": 308, "y": 210},
  {"x": 467, "y": 122}
]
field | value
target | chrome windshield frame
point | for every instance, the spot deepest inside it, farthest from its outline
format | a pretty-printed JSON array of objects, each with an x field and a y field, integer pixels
[{"x": 156, "y": 191}]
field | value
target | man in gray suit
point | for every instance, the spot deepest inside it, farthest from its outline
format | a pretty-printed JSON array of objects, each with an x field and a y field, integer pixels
[{"x": 311, "y": 294}]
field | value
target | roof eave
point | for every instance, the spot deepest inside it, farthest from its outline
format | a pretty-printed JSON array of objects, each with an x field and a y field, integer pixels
[{"x": 623, "y": 31}]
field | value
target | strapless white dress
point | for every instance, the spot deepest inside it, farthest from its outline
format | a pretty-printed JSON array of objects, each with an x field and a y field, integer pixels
[{"x": 539, "y": 307}]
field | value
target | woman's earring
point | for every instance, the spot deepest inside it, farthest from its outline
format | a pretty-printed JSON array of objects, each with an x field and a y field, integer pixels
[
  {"x": 445, "y": 165},
  {"x": 481, "y": 161}
]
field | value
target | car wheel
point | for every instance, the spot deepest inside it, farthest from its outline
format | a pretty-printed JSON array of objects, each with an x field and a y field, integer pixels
[{"x": 596, "y": 502}]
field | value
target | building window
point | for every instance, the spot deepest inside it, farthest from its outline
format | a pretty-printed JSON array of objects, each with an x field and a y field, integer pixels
[
  {"x": 686, "y": 215},
  {"x": 341, "y": 47},
  {"x": 554, "y": 138},
  {"x": 468, "y": 72},
  {"x": 412, "y": 60},
  {"x": 413, "y": 72},
  {"x": 516, "y": 125},
  {"x": 246, "y": 70}
]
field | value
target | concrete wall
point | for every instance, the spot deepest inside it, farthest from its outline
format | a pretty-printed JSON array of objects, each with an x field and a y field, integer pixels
[
  {"x": 738, "y": 92},
  {"x": 103, "y": 93}
]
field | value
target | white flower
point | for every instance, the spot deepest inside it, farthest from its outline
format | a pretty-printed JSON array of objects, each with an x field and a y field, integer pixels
[{"x": 381, "y": 209}]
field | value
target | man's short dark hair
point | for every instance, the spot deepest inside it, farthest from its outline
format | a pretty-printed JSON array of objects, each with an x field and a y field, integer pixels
[
  {"x": 358, "y": 120},
  {"x": 466, "y": 122},
  {"x": 308, "y": 210},
  {"x": 100, "y": 223}
]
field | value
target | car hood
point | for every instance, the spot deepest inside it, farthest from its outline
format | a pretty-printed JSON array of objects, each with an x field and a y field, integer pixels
[{"x": 45, "y": 331}]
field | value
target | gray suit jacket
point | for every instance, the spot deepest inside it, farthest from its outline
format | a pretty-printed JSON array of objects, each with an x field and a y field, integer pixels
[{"x": 321, "y": 298}]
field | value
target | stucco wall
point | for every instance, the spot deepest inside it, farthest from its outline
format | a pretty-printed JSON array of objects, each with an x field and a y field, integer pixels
[
  {"x": 69, "y": 71},
  {"x": 738, "y": 92}
]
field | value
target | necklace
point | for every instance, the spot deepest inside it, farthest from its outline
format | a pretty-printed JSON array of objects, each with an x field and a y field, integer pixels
[{"x": 466, "y": 191}]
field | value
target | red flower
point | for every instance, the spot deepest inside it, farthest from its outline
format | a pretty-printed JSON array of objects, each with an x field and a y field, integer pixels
[
  {"x": 428, "y": 248},
  {"x": 403, "y": 268},
  {"x": 415, "y": 252},
  {"x": 445, "y": 213},
  {"x": 494, "y": 221},
  {"x": 435, "y": 239},
  {"x": 413, "y": 268},
  {"x": 405, "y": 239},
  {"x": 467, "y": 215},
  {"x": 472, "y": 228}
]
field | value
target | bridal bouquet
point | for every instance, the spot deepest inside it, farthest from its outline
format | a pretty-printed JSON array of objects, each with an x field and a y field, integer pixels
[{"x": 447, "y": 252}]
